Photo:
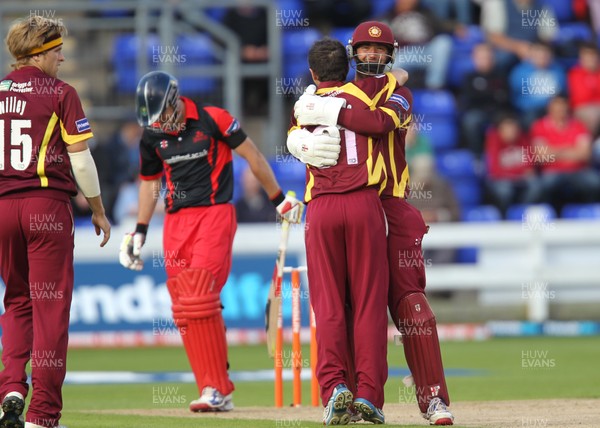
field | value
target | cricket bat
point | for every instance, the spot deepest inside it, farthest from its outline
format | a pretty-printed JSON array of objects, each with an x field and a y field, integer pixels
[{"x": 273, "y": 308}]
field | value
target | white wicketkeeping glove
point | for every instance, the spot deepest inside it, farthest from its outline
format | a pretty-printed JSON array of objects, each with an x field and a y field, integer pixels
[
  {"x": 291, "y": 208},
  {"x": 131, "y": 246},
  {"x": 320, "y": 149},
  {"x": 311, "y": 109}
]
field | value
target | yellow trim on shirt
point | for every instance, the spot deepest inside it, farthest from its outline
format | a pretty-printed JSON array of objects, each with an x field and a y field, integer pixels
[
  {"x": 309, "y": 186},
  {"x": 396, "y": 189},
  {"x": 403, "y": 182},
  {"x": 72, "y": 139},
  {"x": 392, "y": 114},
  {"x": 376, "y": 170},
  {"x": 293, "y": 128},
  {"x": 41, "y": 167}
]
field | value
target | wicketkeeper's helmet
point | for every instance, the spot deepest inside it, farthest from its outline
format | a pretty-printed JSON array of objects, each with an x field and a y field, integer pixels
[
  {"x": 155, "y": 91},
  {"x": 373, "y": 32}
]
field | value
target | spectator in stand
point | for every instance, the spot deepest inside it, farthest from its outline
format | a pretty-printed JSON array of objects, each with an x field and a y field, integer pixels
[
  {"x": 511, "y": 26},
  {"x": 250, "y": 24},
  {"x": 424, "y": 41},
  {"x": 117, "y": 160},
  {"x": 511, "y": 177},
  {"x": 562, "y": 147},
  {"x": 416, "y": 144},
  {"x": 584, "y": 87},
  {"x": 534, "y": 82},
  {"x": 484, "y": 92},
  {"x": 434, "y": 197},
  {"x": 254, "y": 205}
]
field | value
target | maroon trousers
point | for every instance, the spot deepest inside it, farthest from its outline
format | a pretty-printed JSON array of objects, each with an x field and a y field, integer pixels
[
  {"x": 36, "y": 264},
  {"x": 347, "y": 263},
  {"x": 407, "y": 302},
  {"x": 405, "y": 254}
]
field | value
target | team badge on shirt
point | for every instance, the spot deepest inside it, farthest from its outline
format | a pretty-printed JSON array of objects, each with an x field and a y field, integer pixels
[
  {"x": 164, "y": 144},
  {"x": 199, "y": 136}
]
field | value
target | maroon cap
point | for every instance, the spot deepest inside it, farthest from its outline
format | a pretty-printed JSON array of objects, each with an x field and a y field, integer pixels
[{"x": 373, "y": 32}]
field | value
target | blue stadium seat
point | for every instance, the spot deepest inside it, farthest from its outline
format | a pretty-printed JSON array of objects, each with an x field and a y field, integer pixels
[
  {"x": 573, "y": 32},
  {"x": 290, "y": 173},
  {"x": 581, "y": 211},
  {"x": 343, "y": 34},
  {"x": 189, "y": 50},
  {"x": 518, "y": 212},
  {"x": 462, "y": 65},
  {"x": 473, "y": 36},
  {"x": 197, "y": 49},
  {"x": 380, "y": 7},
  {"x": 216, "y": 13},
  {"x": 562, "y": 9},
  {"x": 124, "y": 59},
  {"x": 441, "y": 132},
  {"x": 290, "y": 5},
  {"x": 433, "y": 102},
  {"x": 467, "y": 191},
  {"x": 459, "y": 163},
  {"x": 482, "y": 213},
  {"x": 296, "y": 44}
]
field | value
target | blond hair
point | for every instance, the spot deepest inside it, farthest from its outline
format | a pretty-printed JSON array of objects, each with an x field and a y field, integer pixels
[{"x": 30, "y": 34}]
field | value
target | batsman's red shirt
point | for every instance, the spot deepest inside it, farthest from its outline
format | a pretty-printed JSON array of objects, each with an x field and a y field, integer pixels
[
  {"x": 38, "y": 115},
  {"x": 197, "y": 160}
]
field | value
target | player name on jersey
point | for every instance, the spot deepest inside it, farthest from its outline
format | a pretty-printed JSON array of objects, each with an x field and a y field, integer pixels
[{"x": 13, "y": 105}]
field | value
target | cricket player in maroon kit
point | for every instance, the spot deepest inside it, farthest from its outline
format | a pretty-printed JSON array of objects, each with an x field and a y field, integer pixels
[
  {"x": 346, "y": 250},
  {"x": 192, "y": 144},
  {"x": 370, "y": 43},
  {"x": 43, "y": 154}
]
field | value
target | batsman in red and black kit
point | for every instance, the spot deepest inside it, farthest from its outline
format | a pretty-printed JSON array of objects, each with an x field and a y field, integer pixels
[
  {"x": 191, "y": 145},
  {"x": 43, "y": 155},
  {"x": 389, "y": 119}
]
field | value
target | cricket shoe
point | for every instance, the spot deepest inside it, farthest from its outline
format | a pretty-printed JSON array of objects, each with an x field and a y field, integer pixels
[
  {"x": 438, "y": 413},
  {"x": 354, "y": 415},
  {"x": 336, "y": 411},
  {"x": 212, "y": 400},
  {"x": 12, "y": 411},
  {"x": 369, "y": 412}
]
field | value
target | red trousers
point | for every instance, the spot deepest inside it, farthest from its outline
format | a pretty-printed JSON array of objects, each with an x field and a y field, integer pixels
[
  {"x": 200, "y": 237},
  {"x": 347, "y": 264},
  {"x": 36, "y": 264}
]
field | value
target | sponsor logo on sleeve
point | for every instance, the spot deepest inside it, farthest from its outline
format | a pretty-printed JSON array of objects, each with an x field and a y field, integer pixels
[
  {"x": 401, "y": 101},
  {"x": 5, "y": 85},
  {"x": 234, "y": 127},
  {"x": 82, "y": 125}
]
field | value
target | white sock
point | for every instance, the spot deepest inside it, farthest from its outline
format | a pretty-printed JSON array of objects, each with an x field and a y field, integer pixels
[{"x": 15, "y": 394}]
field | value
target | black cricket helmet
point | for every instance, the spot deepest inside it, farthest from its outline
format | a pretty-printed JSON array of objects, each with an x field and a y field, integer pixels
[{"x": 155, "y": 91}]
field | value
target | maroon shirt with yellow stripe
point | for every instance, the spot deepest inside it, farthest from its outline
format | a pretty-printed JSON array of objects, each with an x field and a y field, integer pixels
[
  {"x": 375, "y": 107},
  {"x": 388, "y": 117},
  {"x": 197, "y": 161},
  {"x": 39, "y": 116}
]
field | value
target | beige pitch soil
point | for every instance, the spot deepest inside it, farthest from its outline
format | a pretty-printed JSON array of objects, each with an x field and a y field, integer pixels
[{"x": 563, "y": 413}]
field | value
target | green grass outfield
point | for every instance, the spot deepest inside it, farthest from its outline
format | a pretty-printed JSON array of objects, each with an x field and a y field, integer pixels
[{"x": 556, "y": 368}]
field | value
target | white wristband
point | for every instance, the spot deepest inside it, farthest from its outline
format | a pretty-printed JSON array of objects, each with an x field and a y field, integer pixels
[{"x": 85, "y": 173}]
